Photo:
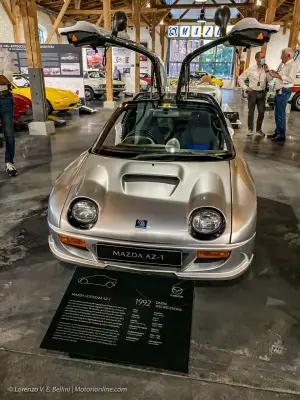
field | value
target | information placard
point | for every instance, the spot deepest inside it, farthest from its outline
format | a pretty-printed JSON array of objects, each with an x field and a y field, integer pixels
[{"x": 123, "y": 317}]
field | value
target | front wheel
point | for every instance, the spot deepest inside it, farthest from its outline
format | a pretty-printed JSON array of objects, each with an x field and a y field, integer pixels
[
  {"x": 88, "y": 93},
  {"x": 49, "y": 108},
  {"x": 296, "y": 102}
]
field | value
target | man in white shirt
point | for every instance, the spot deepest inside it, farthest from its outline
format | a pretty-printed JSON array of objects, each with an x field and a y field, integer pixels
[
  {"x": 7, "y": 109},
  {"x": 284, "y": 81},
  {"x": 256, "y": 89}
]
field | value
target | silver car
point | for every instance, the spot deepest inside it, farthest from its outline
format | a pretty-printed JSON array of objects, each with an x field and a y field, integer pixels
[{"x": 162, "y": 189}]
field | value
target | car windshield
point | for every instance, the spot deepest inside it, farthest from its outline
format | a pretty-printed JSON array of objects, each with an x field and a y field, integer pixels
[
  {"x": 153, "y": 130},
  {"x": 21, "y": 81},
  {"x": 96, "y": 74}
]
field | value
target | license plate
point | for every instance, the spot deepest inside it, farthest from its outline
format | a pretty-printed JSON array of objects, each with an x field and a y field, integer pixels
[{"x": 139, "y": 255}]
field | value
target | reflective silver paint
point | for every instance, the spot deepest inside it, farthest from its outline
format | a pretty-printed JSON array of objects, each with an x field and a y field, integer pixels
[{"x": 164, "y": 194}]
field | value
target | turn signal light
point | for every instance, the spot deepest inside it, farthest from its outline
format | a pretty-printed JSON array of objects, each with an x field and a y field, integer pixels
[
  {"x": 73, "y": 241},
  {"x": 213, "y": 254},
  {"x": 260, "y": 36},
  {"x": 74, "y": 38}
]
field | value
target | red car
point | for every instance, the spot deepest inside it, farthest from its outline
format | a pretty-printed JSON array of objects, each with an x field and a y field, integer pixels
[
  {"x": 22, "y": 109},
  {"x": 144, "y": 76}
]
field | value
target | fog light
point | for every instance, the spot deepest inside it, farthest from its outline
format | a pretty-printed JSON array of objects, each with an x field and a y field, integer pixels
[
  {"x": 213, "y": 254},
  {"x": 72, "y": 241}
]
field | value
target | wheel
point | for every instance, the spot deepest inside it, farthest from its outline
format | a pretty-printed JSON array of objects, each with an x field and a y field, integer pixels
[
  {"x": 296, "y": 102},
  {"x": 49, "y": 108},
  {"x": 99, "y": 96},
  {"x": 83, "y": 281},
  {"x": 109, "y": 284},
  {"x": 88, "y": 93}
]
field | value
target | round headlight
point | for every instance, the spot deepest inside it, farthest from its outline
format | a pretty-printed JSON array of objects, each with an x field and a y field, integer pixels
[
  {"x": 85, "y": 212},
  {"x": 207, "y": 221}
]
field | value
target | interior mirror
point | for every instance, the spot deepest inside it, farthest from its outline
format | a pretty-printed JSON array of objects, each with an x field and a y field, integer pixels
[
  {"x": 173, "y": 146},
  {"x": 231, "y": 131},
  {"x": 119, "y": 23},
  {"x": 221, "y": 18}
]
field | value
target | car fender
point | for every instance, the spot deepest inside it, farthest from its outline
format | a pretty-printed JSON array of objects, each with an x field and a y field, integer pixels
[
  {"x": 61, "y": 189},
  {"x": 244, "y": 201}
]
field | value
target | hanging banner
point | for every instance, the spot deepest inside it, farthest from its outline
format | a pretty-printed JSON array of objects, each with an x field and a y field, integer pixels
[{"x": 197, "y": 31}]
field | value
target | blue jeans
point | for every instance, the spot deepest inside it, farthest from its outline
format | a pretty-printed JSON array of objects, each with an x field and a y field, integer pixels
[
  {"x": 281, "y": 101},
  {"x": 7, "y": 118}
]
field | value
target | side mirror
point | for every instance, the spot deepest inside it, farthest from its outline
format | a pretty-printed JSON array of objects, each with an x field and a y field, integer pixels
[
  {"x": 119, "y": 23},
  {"x": 221, "y": 18}
]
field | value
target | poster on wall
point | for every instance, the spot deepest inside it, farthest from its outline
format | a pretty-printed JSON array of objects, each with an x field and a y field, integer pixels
[
  {"x": 94, "y": 60},
  {"x": 121, "y": 60},
  {"x": 57, "y": 59}
]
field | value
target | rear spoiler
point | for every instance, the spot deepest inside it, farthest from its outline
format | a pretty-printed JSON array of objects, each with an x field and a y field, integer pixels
[{"x": 86, "y": 34}]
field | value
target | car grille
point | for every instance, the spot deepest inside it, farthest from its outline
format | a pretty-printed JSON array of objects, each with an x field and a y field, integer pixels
[
  {"x": 72, "y": 104},
  {"x": 118, "y": 86}
]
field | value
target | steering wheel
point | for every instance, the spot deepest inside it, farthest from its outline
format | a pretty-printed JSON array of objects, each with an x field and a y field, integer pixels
[{"x": 142, "y": 134}]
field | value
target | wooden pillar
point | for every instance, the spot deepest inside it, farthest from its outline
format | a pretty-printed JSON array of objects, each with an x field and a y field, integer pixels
[
  {"x": 153, "y": 30},
  {"x": 107, "y": 25},
  {"x": 270, "y": 18},
  {"x": 248, "y": 58},
  {"x": 136, "y": 20},
  {"x": 35, "y": 71},
  {"x": 15, "y": 8},
  {"x": 295, "y": 26},
  {"x": 162, "y": 41},
  {"x": 58, "y": 20}
]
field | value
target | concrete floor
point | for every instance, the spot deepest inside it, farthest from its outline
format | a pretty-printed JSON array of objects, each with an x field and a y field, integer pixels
[{"x": 245, "y": 336}]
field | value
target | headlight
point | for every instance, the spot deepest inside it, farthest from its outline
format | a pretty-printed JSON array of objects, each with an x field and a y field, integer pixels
[
  {"x": 83, "y": 213},
  {"x": 207, "y": 223}
]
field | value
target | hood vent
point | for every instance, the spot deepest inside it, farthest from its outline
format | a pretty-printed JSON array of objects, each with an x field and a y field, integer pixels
[{"x": 150, "y": 186}]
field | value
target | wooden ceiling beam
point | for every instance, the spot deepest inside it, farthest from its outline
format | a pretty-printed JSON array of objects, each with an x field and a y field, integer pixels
[
  {"x": 77, "y": 4},
  {"x": 58, "y": 20},
  {"x": 199, "y": 6},
  {"x": 280, "y": 3},
  {"x": 7, "y": 9}
]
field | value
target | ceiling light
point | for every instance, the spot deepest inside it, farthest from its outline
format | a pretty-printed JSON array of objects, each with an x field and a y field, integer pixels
[
  {"x": 202, "y": 19},
  {"x": 162, "y": 22},
  {"x": 258, "y": 2},
  {"x": 200, "y": 1}
]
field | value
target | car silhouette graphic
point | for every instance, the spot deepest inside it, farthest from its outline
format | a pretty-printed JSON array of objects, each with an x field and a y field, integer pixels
[{"x": 99, "y": 280}]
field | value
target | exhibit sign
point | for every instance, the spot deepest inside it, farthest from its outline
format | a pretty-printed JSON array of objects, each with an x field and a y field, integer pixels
[
  {"x": 62, "y": 60},
  {"x": 123, "y": 317},
  {"x": 121, "y": 60}
]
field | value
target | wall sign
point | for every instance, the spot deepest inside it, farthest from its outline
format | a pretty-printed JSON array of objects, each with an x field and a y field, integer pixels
[
  {"x": 62, "y": 60},
  {"x": 124, "y": 317},
  {"x": 197, "y": 31}
]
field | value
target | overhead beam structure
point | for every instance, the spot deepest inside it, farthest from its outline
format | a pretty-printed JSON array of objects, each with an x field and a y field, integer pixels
[
  {"x": 77, "y": 4},
  {"x": 59, "y": 37},
  {"x": 270, "y": 18},
  {"x": 8, "y": 11},
  {"x": 295, "y": 26},
  {"x": 58, "y": 20},
  {"x": 15, "y": 8}
]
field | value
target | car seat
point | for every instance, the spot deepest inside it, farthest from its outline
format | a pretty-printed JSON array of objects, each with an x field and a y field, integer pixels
[{"x": 199, "y": 133}]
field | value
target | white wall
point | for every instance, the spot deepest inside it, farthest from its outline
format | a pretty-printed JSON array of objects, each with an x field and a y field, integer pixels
[{"x": 7, "y": 31}]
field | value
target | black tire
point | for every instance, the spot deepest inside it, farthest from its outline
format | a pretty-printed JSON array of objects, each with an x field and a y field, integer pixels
[
  {"x": 99, "y": 96},
  {"x": 88, "y": 93},
  {"x": 296, "y": 102},
  {"x": 49, "y": 108}
]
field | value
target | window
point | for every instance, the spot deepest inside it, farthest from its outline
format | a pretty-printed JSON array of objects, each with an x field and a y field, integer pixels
[
  {"x": 217, "y": 61},
  {"x": 42, "y": 34}
]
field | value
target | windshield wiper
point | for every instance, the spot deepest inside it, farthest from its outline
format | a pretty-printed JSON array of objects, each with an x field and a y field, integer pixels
[{"x": 174, "y": 155}]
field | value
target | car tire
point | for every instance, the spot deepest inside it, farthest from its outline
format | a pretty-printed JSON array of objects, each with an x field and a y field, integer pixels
[
  {"x": 49, "y": 108},
  {"x": 116, "y": 94},
  {"x": 88, "y": 93},
  {"x": 99, "y": 96},
  {"x": 296, "y": 102}
]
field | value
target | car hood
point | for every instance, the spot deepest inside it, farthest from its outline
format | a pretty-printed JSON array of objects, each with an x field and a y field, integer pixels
[
  {"x": 163, "y": 193},
  {"x": 50, "y": 92}
]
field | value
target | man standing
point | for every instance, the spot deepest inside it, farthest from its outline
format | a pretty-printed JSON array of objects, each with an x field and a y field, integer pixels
[
  {"x": 117, "y": 74},
  {"x": 7, "y": 109},
  {"x": 284, "y": 81},
  {"x": 256, "y": 89}
]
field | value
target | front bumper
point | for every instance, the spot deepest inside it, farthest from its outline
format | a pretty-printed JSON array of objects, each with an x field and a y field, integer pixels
[
  {"x": 118, "y": 90},
  {"x": 240, "y": 258},
  {"x": 65, "y": 104}
]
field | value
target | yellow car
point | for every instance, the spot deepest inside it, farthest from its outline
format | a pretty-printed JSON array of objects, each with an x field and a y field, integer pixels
[
  {"x": 199, "y": 75},
  {"x": 57, "y": 99}
]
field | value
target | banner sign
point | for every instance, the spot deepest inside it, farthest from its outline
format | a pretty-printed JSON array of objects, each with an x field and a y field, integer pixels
[
  {"x": 199, "y": 31},
  {"x": 62, "y": 60}
]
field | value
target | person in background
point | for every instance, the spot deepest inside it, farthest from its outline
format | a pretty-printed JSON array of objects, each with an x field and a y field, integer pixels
[
  {"x": 284, "y": 81},
  {"x": 117, "y": 74},
  {"x": 256, "y": 90},
  {"x": 7, "y": 109}
]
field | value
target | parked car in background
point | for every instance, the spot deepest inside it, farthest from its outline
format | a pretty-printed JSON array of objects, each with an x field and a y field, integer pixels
[
  {"x": 199, "y": 75},
  {"x": 22, "y": 109},
  {"x": 145, "y": 77},
  {"x": 95, "y": 85},
  {"x": 57, "y": 99}
]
